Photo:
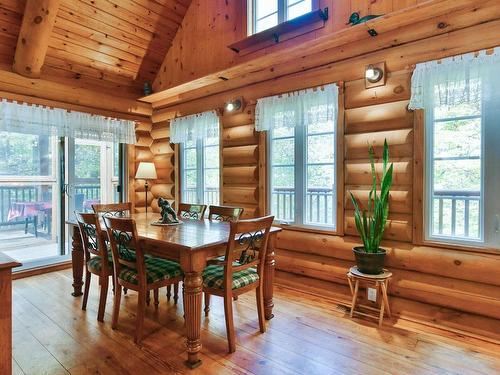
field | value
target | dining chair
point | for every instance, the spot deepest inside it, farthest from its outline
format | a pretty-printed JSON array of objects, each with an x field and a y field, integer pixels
[
  {"x": 191, "y": 211},
  {"x": 98, "y": 259},
  {"x": 123, "y": 209},
  {"x": 113, "y": 209},
  {"x": 224, "y": 213},
  {"x": 135, "y": 270},
  {"x": 242, "y": 270}
]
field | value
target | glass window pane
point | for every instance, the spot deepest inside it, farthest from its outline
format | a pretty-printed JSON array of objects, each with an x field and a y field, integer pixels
[
  {"x": 321, "y": 148},
  {"x": 321, "y": 127},
  {"x": 296, "y": 9},
  {"x": 190, "y": 158},
  {"x": 25, "y": 154},
  {"x": 266, "y": 23},
  {"x": 462, "y": 106},
  {"x": 283, "y": 193},
  {"x": 283, "y": 151},
  {"x": 458, "y": 175},
  {"x": 265, "y": 8},
  {"x": 87, "y": 175},
  {"x": 212, "y": 157},
  {"x": 460, "y": 138},
  {"x": 283, "y": 132}
]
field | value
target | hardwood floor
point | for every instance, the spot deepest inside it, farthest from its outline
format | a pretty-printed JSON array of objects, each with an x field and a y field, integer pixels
[{"x": 308, "y": 335}]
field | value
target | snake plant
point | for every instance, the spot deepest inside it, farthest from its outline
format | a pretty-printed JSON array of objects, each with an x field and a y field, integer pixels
[{"x": 370, "y": 223}]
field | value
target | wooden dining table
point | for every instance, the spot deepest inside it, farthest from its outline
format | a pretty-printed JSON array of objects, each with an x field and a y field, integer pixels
[{"x": 191, "y": 243}]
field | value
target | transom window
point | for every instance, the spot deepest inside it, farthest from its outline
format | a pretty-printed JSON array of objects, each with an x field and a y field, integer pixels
[
  {"x": 200, "y": 167},
  {"x": 265, "y": 14}
]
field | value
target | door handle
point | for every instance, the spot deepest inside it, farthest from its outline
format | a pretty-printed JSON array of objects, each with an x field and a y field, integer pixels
[{"x": 497, "y": 223}]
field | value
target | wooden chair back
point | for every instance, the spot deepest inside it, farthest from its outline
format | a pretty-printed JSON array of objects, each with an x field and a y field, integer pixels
[
  {"x": 125, "y": 247},
  {"x": 113, "y": 209},
  {"x": 224, "y": 213},
  {"x": 247, "y": 247},
  {"x": 93, "y": 237},
  {"x": 191, "y": 211}
]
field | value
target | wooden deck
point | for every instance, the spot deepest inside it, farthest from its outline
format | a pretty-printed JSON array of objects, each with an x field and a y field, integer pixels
[
  {"x": 308, "y": 335},
  {"x": 26, "y": 247}
]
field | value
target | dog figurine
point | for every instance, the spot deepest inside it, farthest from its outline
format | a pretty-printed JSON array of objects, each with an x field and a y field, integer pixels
[{"x": 168, "y": 215}]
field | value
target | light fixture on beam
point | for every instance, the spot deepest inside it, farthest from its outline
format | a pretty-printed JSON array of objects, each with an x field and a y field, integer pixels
[
  {"x": 235, "y": 105},
  {"x": 375, "y": 75}
]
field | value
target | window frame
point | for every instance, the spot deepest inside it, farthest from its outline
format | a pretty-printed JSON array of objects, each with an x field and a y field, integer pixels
[
  {"x": 282, "y": 13},
  {"x": 424, "y": 158},
  {"x": 337, "y": 228},
  {"x": 200, "y": 148}
]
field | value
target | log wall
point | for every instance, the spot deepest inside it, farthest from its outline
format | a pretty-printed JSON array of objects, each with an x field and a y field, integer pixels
[
  {"x": 241, "y": 147},
  {"x": 444, "y": 286},
  {"x": 153, "y": 145}
]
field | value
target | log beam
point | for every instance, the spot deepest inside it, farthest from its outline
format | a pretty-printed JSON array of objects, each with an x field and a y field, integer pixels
[{"x": 38, "y": 22}]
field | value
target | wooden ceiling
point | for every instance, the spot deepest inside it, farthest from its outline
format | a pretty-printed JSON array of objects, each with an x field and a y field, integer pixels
[{"x": 107, "y": 45}]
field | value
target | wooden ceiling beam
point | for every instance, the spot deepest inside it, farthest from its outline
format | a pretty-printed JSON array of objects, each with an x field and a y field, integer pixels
[
  {"x": 64, "y": 93},
  {"x": 478, "y": 37},
  {"x": 394, "y": 28},
  {"x": 36, "y": 28}
]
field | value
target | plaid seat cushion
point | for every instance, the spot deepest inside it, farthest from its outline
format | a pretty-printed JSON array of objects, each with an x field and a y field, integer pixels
[
  {"x": 213, "y": 277},
  {"x": 95, "y": 263},
  {"x": 157, "y": 269}
]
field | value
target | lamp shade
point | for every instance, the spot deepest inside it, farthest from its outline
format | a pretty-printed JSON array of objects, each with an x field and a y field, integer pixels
[{"x": 146, "y": 171}]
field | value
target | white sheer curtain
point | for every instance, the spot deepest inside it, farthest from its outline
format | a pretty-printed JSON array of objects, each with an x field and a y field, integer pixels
[
  {"x": 32, "y": 119},
  {"x": 191, "y": 128},
  {"x": 299, "y": 108},
  {"x": 456, "y": 80}
]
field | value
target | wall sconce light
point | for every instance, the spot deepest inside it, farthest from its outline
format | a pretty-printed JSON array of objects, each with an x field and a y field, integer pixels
[
  {"x": 235, "y": 105},
  {"x": 375, "y": 75}
]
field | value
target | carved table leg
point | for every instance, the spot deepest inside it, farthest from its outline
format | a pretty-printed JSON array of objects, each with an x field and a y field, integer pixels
[
  {"x": 269, "y": 277},
  {"x": 192, "y": 312},
  {"x": 77, "y": 259}
]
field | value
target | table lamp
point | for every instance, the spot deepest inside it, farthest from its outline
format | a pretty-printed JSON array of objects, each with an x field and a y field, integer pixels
[{"x": 146, "y": 171}]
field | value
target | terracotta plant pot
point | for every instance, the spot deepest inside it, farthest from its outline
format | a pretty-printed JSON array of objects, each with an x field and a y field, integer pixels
[{"x": 369, "y": 263}]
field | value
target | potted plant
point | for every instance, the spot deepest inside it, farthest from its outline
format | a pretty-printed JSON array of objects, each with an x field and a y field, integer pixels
[{"x": 370, "y": 223}]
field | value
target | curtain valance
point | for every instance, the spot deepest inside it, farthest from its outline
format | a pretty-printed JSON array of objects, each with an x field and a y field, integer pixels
[
  {"x": 191, "y": 128},
  {"x": 456, "y": 80},
  {"x": 299, "y": 108},
  {"x": 32, "y": 119}
]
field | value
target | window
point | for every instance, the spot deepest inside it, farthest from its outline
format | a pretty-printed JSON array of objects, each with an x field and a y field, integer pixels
[
  {"x": 302, "y": 156},
  {"x": 200, "y": 171},
  {"x": 462, "y": 153},
  {"x": 265, "y": 14}
]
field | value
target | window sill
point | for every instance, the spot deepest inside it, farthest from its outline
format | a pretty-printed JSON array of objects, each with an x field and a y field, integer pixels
[
  {"x": 461, "y": 247},
  {"x": 318, "y": 230},
  {"x": 284, "y": 31}
]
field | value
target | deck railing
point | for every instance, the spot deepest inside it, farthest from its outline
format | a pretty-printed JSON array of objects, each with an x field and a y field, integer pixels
[
  {"x": 319, "y": 205},
  {"x": 457, "y": 213},
  {"x": 35, "y": 193},
  {"x": 211, "y": 196}
]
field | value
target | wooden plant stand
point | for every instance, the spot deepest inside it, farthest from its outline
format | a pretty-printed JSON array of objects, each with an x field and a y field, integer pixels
[{"x": 381, "y": 283}]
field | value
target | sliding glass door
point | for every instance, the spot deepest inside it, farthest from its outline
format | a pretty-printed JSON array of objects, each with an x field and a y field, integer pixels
[
  {"x": 92, "y": 176},
  {"x": 43, "y": 181},
  {"x": 30, "y": 182}
]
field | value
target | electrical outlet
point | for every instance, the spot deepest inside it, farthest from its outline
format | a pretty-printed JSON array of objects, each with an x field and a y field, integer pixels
[{"x": 372, "y": 294}]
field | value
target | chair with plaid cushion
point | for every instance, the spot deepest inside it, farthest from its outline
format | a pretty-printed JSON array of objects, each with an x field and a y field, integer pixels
[
  {"x": 122, "y": 210},
  {"x": 113, "y": 209},
  {"x": 191, "y": 211},
  {"x": 241, "y": 271},
  {"x": 224, "y": 213},
  {"x": 98, "y": 260},
  {"x": 136, "y": 270}
]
